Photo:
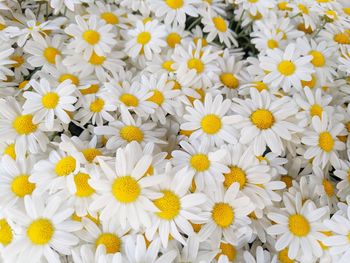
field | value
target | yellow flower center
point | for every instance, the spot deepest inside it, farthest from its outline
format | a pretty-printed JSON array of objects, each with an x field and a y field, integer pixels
[
  {"x": 23, "y": 124},
  {"x": 283, "y": 256},
  {"x": 227, "y": 250},
  {"x": 272, "y": 44},
  {"x": 82, "y": 185},
  {"x": 50, "y": 54},
  {"x": 174, "y": 4},
  {"x": 131, "y": 133},
  {"x": 326, "y": 141},
  {"x": 204, "y": 41},
  {"x": 347, "y": 126},
  {"x": 157, "y": 97},
  {"x": 284, "y": 6},
  {"x": 91, "y": 153},
  {"x": 211, "y": 124},
  {"x": 19, "y": 61},
  {"x": 286, "y": 67},
  {"x": 2, "y": 26},
  {"x": 110, "y": 241},
  {"x": 71, "y": 77},
  {"x": 236, "y": 175},
  {"x": 253, "y": 1},
  {"x": 50, "y": 100},
  {"x": 311, "y": 83},
  {"x": 97, "y": 105},
  {"x": 94, "y": 88},
  {"x": 318, "y": 59},
  {"x": 303, "y": 9},
  {"x": 262, "y": 119},
  {"x": 143, "y": 38},
  {"x": 196, "y": 64},
  {"x": 96, "y": 59},
  {"x": 40, "y": 231},
  {"x": 257, "y": 16},
  {"x": 91, "y": 36},
  {"x": 65, "y": 166},
  {"x": 10, "y": 151},
  {"x": 260, "y": 86},
  {"x": 169, "y": 205},
  {"x": 110, "y": 18},
  {"x": 129, "y": 100},
  {"x": 126, "y": 189},
  {"x": 316, "y": 110},
  {"x": 6, "y": 235},
  {"x": 173, "y": 39},
  {"x": 200, "y": 162},
  {"x": 229, "y": 80},
  {"x": 345, "y": 9},
  {"x": 223, "y": 214},
  {"x": 288, "y": 180},
  {"x": 77, "y": 218},
  {"x": 167, "y": 65},
  {"x": 306, "y": 30},
  {"x": 21, "y": 186},
  {"x": 298, "y": 225},
  {"x": 342, "y": 38},
  {"x": 328, "y": 187},
  {"x": 220, "y": 24},
  {"x": 23, "y": 84}
]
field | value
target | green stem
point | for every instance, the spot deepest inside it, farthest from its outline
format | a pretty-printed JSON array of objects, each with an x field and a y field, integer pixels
[
  {"x": 320, "y": 28},
  {"x": 194, "y": 23},
  {"x": 239, "y": 21}
]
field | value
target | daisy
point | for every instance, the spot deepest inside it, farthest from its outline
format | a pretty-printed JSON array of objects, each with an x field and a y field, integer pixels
[
  {"x": 344, "y": 59},
  {"x": 91, "y": 36},
  {"x": 20, "y": 66},
  {"x": 145, "y": 39},
  {"x": 136, "y": 5},
  {"x": 176, "y": 35},
  {"x": 129, "y": 129},
  {"x": 343, "y": 173},
  {"x": 174, "y": 11},
  {"x": 6, "y": 61},
  {"x": 286, "y": 68},
  {"x": 255, "y": 7},
  {"x": 308, "y": 13},
  {"x": 175, "y": 207},
  {"x": 109, "y": 13},
  {"x": 209, "y": 121},
  {"x": 298, "y": 227},
  {"x": 215, "y": 25},
  {"x": 46, "y": 230},
  {"x": 44, "y": 103},
  {"x": 19, "y": 127},
  {"x": 323, "y": 141},
  {"x": 263, "y": 119},
  {"x": 227, "y": 215},
  {"x": 206, "y": 163},
  {"x": 123, "y": 193}
]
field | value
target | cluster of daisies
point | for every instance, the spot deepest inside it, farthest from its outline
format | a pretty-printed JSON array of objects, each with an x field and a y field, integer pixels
[{"x": 159, "y": 131}]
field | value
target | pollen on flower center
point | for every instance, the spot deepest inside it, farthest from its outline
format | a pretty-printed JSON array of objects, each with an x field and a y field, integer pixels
[
  {"x": 316, "y": 110},
  {"x": 342, "y": 38},
  {"x": 157, "y": 97},
  {"x": 326, "y": 141},
  {"x": 91, "y": 36},
  {"x": 288, "y": 180},
  {"x": 200, "y": 162},
  {"x": 96, "y": 59},
  {"x": 94, "y": 88},
  {"x": 6, "y": 234},
  {"x": 173, "y": 39},
  {"x": 126, "y": 189},
  {"x": 97, "y": 105},
  {"x": 143, "y": 38},
  {"x": 223, "y": 214},
  {"x": 50, "y": 54},
  {"x": 220, "y": 24},
  {"x": 83, "y": 189},
  {"x": 19, "y": 61},
  {"x": 169, "y": 205},
  {"x": 21, "y": 186},
  {"x": 65, "y": 166},
  {"x": 40, "y": 231},
  {"x": 131, "y": 133},
  {"x": 110, "y": 18},
  {"x": 262, "y": 119},
  {"x": 129, "y": 100},
  {"x": 10, "y": 151},
  {"x": 298, "y": 225},
  {"x": 174, "y": 4},
  {"x": 236, "y": 175},
  {"x": 196, "y": 64},
  {"x": 283, "y": 256},
  {"x": 228, "y": 250},
  {"x": 272, "y": 44},
  {"x": 328, "y": 187},
  {"x": 110, "y": 241},
  {"x": 318, "y": 59},
  {"x": 91, "y": 153},
  {"x": 229, "y": 80},
  {"x": 50, "y": 100},
  {"x": 23, "y": 124},
  {"x": 211, "y": 124},
  {"x": 167, "y": 65},
  {"x": 286, "y": 67},
  {"x": 71, "y": 77},
  {"x": 260, "y": 86}
]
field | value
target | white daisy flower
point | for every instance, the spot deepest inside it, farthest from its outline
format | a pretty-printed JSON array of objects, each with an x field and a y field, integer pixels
[
  {"x": 46, "y": 230},
  {"x": 5, "y": 61},
  {"x": 209, "y": 121},
  {"x": 323, "y": 141},
  {"x": 286, "y": 68},
  {"x": 91, "y": 36},
  {"x": 255, "y": 7},
  {"x": 299, "y": 227},
  {"x": 263, "y": 119},
  {"x": 44, "y": 103},
  {"x": 343, "y": 173}
]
